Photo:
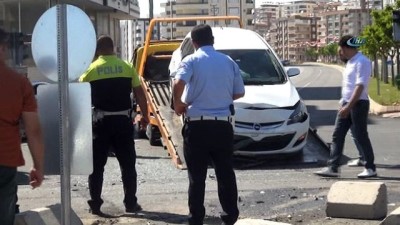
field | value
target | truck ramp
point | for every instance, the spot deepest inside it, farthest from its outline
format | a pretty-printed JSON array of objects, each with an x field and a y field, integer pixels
[{"x": 171, "y": 122}]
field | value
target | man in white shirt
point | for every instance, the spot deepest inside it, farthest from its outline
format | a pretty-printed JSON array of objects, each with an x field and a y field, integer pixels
[{"x": 353, "y": 111}]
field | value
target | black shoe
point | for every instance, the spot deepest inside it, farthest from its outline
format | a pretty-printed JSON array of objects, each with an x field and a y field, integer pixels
[
  {"x": 17, "y": 209},
  {"x": 133, "y": 209},
  {"x": 94, "y": 207},
  {"x": 96, "y": 212}
]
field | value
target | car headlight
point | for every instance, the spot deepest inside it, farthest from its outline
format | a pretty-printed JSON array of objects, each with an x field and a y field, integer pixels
[{"x": 299, "y": 114}]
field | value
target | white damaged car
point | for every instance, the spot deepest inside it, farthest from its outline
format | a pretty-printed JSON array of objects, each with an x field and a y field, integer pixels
[{"x": 271, "y": 118}]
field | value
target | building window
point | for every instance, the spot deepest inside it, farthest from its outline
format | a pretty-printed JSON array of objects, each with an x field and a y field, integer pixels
[
  {"x": 233, "y": 10},
  {"x": 190, "y": 23},
  {"x": 214, "y": 1},
  {"x": 233, "y": 1}
]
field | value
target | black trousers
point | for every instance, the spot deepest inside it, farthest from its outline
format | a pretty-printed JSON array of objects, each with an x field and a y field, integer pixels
[
  {"x": 8, "y": 193},
  {"x": 204, "y": 141},
  {"x": 357, "y": 121},
  {"x": 116, "y": 132}
]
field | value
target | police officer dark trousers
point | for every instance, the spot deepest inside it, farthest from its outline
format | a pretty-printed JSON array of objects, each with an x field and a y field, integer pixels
[
  {"x": 116, "y": 131},
  {"x": 111, "y": 80},
  {"x": 205, "y": 139}
]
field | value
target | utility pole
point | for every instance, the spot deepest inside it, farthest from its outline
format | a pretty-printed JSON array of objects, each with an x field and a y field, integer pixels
[
  {"x": 171, "y": 15},
  {"x": 215, "y": 11},
  {"x": 151, "y": 6},
  {"x": 226, "y": 11}
]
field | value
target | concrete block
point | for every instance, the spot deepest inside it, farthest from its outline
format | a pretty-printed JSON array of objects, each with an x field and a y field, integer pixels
[
  {"x": 393, "y": 218},
  {"x": 357, "y": 200},
  {"x": 258, "y": 222},
  {"x": 50, "y": 215}
]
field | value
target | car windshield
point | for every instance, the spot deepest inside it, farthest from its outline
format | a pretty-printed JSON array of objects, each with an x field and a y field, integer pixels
[{"x": 258, "y": 66}]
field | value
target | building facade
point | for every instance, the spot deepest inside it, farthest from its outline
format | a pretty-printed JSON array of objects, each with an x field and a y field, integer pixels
[
  {"x": 21, "y": 16},
  {"x": 292, "y": 28},
  {"x": 265, "y": 21},
  {"x": 294, "y": 35},
  {"x": 244, "y": 9}
]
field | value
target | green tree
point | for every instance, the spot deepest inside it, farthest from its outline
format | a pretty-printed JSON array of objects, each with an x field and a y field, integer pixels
[
  {"x": 379, "y": 38},
  {"x": 324, "y": 53},
  {"x": 332, "y": 50},
  {"x": 371, "y": 46},
  {"x": 311, "y": 53}
]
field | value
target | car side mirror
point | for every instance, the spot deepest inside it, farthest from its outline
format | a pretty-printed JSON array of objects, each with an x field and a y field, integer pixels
[{"x": 291, "y": 72}]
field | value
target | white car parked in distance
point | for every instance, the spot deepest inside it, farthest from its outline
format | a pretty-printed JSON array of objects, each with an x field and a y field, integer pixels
[{"x": 271, "y": 118}]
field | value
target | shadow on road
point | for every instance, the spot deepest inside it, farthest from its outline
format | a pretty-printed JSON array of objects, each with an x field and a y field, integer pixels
[
  {"x": 388, "y": 166},
  {"x": 378, "y": 178},
  {"x": 320, "y": 93},
  {"x": 320, "y": 117}
]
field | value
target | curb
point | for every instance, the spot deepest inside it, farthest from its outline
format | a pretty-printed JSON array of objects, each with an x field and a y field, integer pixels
[
  {"x": 50, "y": 215},
  {"x": 393, "y": 218},
  {"x": 258, "y": 222},
  {"x": 378, "y": 109}
]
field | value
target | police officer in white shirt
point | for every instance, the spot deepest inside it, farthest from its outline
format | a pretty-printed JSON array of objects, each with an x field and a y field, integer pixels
[
  {"x": 353, "y": 111},
  {"x": 206, "y": 84}
]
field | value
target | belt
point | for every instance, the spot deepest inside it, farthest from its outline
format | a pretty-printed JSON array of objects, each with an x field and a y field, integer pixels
[
  {"x": 98, "y": 114},
  {"x": 216, "y": 118},
  {"x": 117, "y": 113}
]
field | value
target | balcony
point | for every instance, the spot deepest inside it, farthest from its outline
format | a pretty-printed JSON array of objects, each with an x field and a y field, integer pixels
[{"x": 202, "y": 2}]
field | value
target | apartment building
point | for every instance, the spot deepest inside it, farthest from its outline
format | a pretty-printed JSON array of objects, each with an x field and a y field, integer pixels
[
  {"x": 21, "y": 16},
  {"x": 287, "y": 9},
  {"x": 294, "y": 35},
  {"x": 324, "y": 23},
  {"x": 265, "y": 20},
  {"x": 362, "y": 4},
  {"x": 351, "y": 21},
  {"x": 198, "y": 8},
  {"x": 388, "y": 2}
]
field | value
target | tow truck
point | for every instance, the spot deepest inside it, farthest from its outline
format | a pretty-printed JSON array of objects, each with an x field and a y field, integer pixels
[{"x": 152, "y": 63}]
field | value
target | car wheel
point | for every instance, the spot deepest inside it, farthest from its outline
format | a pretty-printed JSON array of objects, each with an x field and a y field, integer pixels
[
  {"x": 139, "y": 133},
  {"x": 154, "y": 135}
]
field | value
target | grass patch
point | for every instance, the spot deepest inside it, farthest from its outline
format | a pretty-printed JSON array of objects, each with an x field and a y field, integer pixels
[{"x": 389, "y": 95}]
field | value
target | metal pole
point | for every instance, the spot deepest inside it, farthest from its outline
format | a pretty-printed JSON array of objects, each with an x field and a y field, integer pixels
[
  {"x": 240, "y": 11},
  {"x": 171, "y": 15},
  {"x": 63, "y": 90},
  {"x": 19, "y": 15},
  {"x": 214, "y": 12},
  {"x": 151, "y": 11},
  {"x": 226, "y": 11}
]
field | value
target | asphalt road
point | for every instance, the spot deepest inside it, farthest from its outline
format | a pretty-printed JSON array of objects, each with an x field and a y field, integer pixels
[{"x": 285, "y": 191}]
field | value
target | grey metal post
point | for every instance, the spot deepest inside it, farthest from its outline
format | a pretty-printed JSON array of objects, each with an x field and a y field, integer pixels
[
  {"x": 62, "y": 59},
  {"x": 171, "y": 15}
]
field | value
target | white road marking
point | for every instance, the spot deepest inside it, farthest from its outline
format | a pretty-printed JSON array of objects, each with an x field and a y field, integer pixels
[{"x": 308, "y": 84}]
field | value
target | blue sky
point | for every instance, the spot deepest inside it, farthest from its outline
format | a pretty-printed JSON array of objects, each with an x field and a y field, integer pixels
[{"x": 144, "y": 6}]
